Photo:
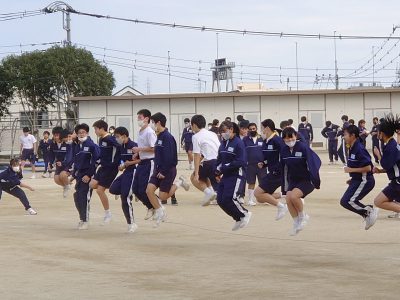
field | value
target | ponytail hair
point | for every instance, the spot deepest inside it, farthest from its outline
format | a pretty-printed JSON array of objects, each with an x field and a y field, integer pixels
[
  {"x": 389, "y": 125},
  {"x": 230, "y": 125}
]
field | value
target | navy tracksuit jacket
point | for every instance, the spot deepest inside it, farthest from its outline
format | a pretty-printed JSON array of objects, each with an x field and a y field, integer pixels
[
  {"x": 9, "y": 183},
  {"x": 231, "y": 163},
  {"x": 331, "y": 133}
]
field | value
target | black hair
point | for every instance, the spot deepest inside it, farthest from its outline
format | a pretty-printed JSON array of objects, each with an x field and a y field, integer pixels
[
  {"x": 290, "y": 121},
  {"x": 46, "y": 132},
  {"x": 239, "y": 118},
  {"x": 199, "y": 121},
  {"x": 228, "y": 118},
  {"x": 101, "y": 124},
  {"x": 159, "y": 117},
  {"x": 351, "y": 121},
  {"x": 230, "y": 125},
  {"x": 187, "y": 120},
  {"x": 284, "y": 124},
  {"x": 14, "y": 161},
  {"x": 252, "y": 124},
  {"x": 111, "y": 128},
  {"x": 82, "y": 126},
  {"x": 328, "y": 123},
  {"x": 268, "y": 123},
  {"x": 303, "y": 118},
  {"x": 345, "y": 118},
  {"x": 64, "y": 134},
  {"x": 389, "y": 125},
  {"x": 244, "y": 124},
  {"x": 56, "y": 130},
  {"x": 145, "y": 113},
  {"x": 121, "y": 131},
  {"x": 360, "y": 122},
  {"x": 215, "y": 122},
  {"x": 25, "y": 129},
  {"x": 353, "y": 129},
  {"x": 289, "y": 132},
  {"x": 375, "y": 119}
]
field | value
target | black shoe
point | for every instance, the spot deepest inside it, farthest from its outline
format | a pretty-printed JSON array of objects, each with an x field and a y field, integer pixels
[
  {"x": 174, "y": 201},
  {"x": 164, "y": 202}
]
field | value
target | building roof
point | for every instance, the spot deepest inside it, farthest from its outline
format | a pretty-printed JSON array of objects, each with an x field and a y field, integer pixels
[
  {"x": 128, "y": 91},
  {"x": 238, "y": 94}
]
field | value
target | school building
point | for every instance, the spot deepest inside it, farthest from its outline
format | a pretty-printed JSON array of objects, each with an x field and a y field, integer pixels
[{"x": 317, "y": 105}]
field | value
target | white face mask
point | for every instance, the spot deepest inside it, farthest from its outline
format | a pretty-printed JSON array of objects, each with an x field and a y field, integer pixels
[
  {"x": 82, "y": 139},
  {"x": 226, "y": 135},
  {"x": 187, "y": 125},
  {"x": 111, "y": 131},
  {"x": 141, "y": 123},
  {"x": 263, "y": 136},
  {"x": 153, "y": 126},
  {"x": 120, "y": 141},
  {"x": 290, "y": 144},
  {"x": 16, "y": 169},
  {"x": 68, "y": 142}
]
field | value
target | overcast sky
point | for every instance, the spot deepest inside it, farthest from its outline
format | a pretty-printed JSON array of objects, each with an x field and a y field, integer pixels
[{"x": 365, "y": 17}]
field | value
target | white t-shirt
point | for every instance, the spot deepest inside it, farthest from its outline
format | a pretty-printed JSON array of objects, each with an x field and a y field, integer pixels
[
  {"x": 27, "y": 141},
  {"x": 206, "y": 143},
  {"x": 147, "y": 138}
]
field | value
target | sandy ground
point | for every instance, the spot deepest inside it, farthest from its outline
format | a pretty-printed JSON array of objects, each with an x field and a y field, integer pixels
[{"x": 195, "y": 255}]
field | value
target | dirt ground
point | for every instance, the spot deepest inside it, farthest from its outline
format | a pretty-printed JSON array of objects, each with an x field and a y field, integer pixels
[{"x": 195, "y": 255}]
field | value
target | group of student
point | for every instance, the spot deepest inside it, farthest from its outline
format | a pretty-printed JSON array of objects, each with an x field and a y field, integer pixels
[{"x": 223, "y": 161}]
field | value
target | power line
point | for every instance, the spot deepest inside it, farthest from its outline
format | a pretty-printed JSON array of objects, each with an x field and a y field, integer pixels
[
  {"x": 30, "y": 45},
  {"x": 224, "y": 30},
  {"x": 20, "y": 15}
]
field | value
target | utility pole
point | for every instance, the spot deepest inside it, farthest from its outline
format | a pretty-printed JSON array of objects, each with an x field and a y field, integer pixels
[
  {"x": 297, "y": 70},
  {"x": 217, "y": 69},
  {"x": 336, "y": 67},
  {"x": 169, "y": 72},
  {"x": 148, "y": 86},
  {"x": 373, "y": 66},
  {"x": 67, "y": 27}
]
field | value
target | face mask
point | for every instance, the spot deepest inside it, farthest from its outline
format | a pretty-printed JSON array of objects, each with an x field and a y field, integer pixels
[
  {"x": 209, "y": 127},
  {"x": 120, "y": 141},
  {"x": 263, "y": 136},
  {"x": 111, "y": 131},
  {"x": 82, "y": 139},
  {"x": 140, "y": 123},
  {"x": 16, "y": 169},
  {"x": 253, "y": 133},
  {"x": 226, "y": 135},
  {"x": 290, "y": 144},
  {"x": 153, "y": 126},
  {"x": 68, "y": 142},
  {"x": 305, "y": 122},
  {"x": 187, "y": 125}
]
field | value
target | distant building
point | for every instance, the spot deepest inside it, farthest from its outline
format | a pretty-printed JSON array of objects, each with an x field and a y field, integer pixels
[
  {"x": 128, "y": 91},
  {"x": 250, "y": 87}
]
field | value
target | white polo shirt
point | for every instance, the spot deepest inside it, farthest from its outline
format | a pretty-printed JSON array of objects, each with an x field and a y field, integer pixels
[
  {"x": 147, "y": 138},
  {"x": 27, "y": 141},
  {"x": 206, "y": 143}
]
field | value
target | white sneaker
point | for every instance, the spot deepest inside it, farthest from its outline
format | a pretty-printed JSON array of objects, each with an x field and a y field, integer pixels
[
  {"x": 303, "y": 222},
  {"x": 394, "y": 216},
  {"x": 281, "y": 212},
  {"x": 295, "y": 227},
  {"x": 213, "y": 202},
  {"x": 161, "y": 215},
  {"x": 33, "y": 176},
  {"x": 236, "y": 226},
  {"x": 184, "y": 184},
  {"x": 150, "y": 213},
  {"x": 79, "y": 224},
  {"x": 302, "y": 200},
  {"x": 66, "y": 190},
  {"x": 371, "y": 218},
  {"x": 245, "y": 220},
  {"x": 107, "y": 218},
  {"x": 132, "y": 228},
  {"x": 83, "y": 225},
  {"x": 241, "y": 200},
  {"x": 208, "y": 197},
  {"x": 191, "y": 167},
  {"x": 252, "y": 202},
  {"x": 45, "y": 175},
  {"x": 117, "y": 197},
  {"x": 31, "y": 211}
]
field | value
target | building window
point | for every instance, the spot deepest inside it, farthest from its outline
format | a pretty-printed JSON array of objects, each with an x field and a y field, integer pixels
[{"x": 41, "y": 122}]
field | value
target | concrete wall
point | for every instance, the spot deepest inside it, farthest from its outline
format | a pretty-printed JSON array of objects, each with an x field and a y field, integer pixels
[{"x": 317, "y": 106}]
